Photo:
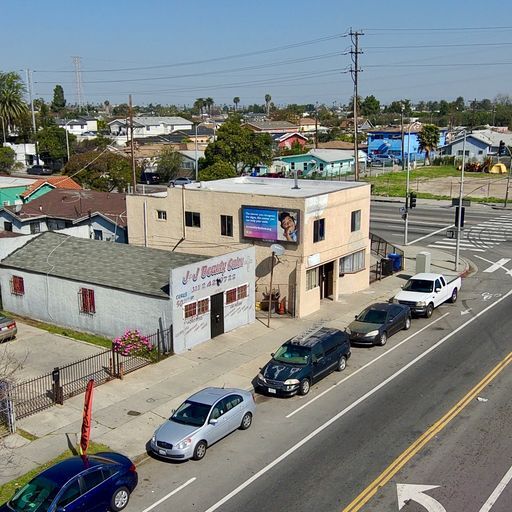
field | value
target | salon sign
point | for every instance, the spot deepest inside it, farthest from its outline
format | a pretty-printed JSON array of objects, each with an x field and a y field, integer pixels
[{"x": 203, "y": 272}]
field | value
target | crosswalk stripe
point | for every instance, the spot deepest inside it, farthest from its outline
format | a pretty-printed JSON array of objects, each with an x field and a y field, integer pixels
[{"x": 474, "y": 249}]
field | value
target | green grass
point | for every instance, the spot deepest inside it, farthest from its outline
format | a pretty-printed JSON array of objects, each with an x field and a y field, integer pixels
[
  {"x": 63, "y": 331},
  {"x": 7, "y": 490},
  {"x": 26, "y": 435}
]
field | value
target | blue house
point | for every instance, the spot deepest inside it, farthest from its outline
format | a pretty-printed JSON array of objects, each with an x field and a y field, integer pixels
[
  {"x": 388, "y": 141},
  {"x": 479, "y": 144}
]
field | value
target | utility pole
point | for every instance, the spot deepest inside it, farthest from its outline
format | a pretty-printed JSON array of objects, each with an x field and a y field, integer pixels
[
  {"x": 354, "y": 71},
  {"x": 31, "y": 99},
  {"x": 316, "y": 125},
  {"x": 402, "y": 132},
  {"x": 134, "y": 175},
  {"x": 459, "y": 211}
]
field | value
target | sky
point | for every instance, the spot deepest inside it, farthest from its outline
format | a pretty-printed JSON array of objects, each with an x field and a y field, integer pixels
[{"x": 174, "y": 51}]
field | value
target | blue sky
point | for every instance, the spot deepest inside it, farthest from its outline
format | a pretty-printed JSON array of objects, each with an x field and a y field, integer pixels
[{"x": 171, "y": 52}]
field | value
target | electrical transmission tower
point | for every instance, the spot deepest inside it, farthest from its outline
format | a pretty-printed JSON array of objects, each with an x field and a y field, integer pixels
[
  {"x": 78, "y": 82},
  {"x": 354, "y": 71}
]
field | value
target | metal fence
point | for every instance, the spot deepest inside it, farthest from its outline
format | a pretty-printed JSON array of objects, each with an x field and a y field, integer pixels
[{"x": 382, "y": 248}]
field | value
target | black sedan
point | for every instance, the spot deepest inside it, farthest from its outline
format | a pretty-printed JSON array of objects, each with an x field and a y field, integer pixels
[
  {"x": 40, "y": 170},
  {"x": 377, "y": 322}
]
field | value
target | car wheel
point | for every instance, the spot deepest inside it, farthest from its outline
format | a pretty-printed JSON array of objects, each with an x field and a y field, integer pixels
[
  {"x": 383, "y": 339},
  {"x": 342, "y": 364},
  {"x": 199, "y": 450},
  {"x": 453, "y": 298},
  {"x": 304, "y": 387},
  {"x": 246, "y": 421},
  {"x": 429, "y": 311},
  {"x": 407, "y": 325},
  {"x": 120, "y": 499}
]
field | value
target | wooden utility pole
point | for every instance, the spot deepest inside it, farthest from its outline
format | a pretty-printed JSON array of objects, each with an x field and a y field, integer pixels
[
  {"x": 134, "y": 174},
  {"x": 354, "y": 71}
]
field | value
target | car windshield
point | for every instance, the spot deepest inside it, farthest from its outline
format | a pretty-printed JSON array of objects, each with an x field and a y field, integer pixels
[
  {"x": 419, "y": 285},
  {"x": 294, "y": 354},
  {"x": 372, "y": 316},
  {"x": 191, "y": 413},
  {"x": 36, "y": 496}
]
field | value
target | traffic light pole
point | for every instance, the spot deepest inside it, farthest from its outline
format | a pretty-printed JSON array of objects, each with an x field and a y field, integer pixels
[
  {"x": 461, "y": 193},
  {"x": 407, "y": 185}
]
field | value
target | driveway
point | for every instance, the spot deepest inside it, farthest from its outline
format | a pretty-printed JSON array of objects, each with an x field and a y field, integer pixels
[{"x": 34, "y": 352}]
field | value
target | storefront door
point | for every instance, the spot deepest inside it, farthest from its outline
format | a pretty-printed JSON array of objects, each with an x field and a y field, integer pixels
[
  {"x": 217, "y": 314},
  {"x": 326, "y": 280}
]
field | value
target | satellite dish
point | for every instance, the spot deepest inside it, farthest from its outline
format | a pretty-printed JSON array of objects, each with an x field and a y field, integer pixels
[{"x": 277, "y": 249}]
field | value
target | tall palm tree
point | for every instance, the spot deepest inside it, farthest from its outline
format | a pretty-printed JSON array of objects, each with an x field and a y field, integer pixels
[
  {"x": 236, "y": 101},
  {"x": 209, "y": 104},
  {"x": 268, "y": 99},
  {"x": 199, "y": 104},
  {"x": 428, "y": 139},
  {"x": 12, "y": 104}
]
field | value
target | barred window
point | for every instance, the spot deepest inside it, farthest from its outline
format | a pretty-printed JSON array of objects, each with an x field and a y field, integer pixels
[
  {"x": 190, "y": 309},
  {"x": 353, "y": 262},
  {"x": 17, "y": 285},
  {"x": 312, "y": 278},
  {"x": 231, "y": 296},
  {"x": 86, "y": 301},
  {"x": 203, "y": 306},
  {"x": 242, "y": 292}
]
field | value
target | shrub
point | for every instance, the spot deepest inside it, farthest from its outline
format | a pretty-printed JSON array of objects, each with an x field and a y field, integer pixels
[{"x": 132, "y": 343}]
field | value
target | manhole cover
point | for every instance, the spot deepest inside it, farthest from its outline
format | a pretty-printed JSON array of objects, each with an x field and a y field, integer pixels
[{"x": 133, "y": 413}]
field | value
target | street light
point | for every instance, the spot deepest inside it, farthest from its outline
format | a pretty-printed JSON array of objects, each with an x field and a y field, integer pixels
[
  {"x": 277, "y": 250},
  {"x": 508, "y": 178},
  {"x": 459, "y": 211}
]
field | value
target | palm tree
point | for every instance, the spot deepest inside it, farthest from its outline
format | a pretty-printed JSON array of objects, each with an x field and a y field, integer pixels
[
  {"x": 12, "y": 105},
  {"x": 236, "y": 101},
  {"x": 428, "y": 139},
  {"x": 209, "y": 104},
  {"x": 268, "y": 99},
  {"x": 199, "y": 105}
]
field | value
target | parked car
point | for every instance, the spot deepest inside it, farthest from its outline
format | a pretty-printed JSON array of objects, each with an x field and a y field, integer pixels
[
  {"x": 202, "y": 420},
  {"x": 304, "y": 360},
  {"x": 383, "y": 160},
  {"x": 375, "y": 324},
  {"x": 8, "y": 328},
  {"x": 149, "y": 177},
  {"x": 179, "y": 181},
  {"x": 40, "y": 170},
  {"x": 425, "y": 291},
  {"x": 96, "y": 483}
]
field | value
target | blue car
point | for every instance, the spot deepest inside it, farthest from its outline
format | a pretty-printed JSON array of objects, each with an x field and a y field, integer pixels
[{"x": 96, "y": 483}]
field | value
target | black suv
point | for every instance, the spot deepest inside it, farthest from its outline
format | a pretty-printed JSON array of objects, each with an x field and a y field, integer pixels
[
  {"x": 303, "y": 360},
  {"x": 40, "y": 170},
  {"x": 149, "y": 178}
]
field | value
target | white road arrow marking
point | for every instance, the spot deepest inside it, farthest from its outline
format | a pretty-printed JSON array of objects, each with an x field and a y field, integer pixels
[
  {"x": 497, "y": 265},
  {"x": 466, "y": 311},
  {"x": 408, "y": 492}
]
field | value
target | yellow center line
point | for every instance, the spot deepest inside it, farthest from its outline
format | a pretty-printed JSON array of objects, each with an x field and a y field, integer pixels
[{"x": 368, "y": 493}]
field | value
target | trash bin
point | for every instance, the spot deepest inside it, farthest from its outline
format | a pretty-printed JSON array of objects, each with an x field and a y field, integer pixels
[
  {"x": 396, "y": 260},
  {"x": 386, "y": 266}
]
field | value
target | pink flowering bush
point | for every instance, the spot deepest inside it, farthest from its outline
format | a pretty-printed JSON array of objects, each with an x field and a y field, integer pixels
[{"x": 132, "y": 343}]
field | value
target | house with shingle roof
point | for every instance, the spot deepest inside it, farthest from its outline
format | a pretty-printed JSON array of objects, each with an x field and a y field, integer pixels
[
  {"x": 479, "y": 144},
  {"x": 103, "y": 212},
  {"x": 108, "y": 288},
  {"x": 149, "y": 126},
  {"x": 271, "y": 126}
]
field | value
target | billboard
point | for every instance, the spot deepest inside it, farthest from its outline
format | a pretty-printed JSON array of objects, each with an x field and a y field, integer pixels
[{"x": 270, "y": 224}]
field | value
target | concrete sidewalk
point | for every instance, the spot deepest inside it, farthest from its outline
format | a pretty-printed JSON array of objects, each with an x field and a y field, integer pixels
[{"x": 127, "y": 412}]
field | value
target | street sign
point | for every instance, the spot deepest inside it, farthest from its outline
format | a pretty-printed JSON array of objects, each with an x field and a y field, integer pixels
[
  {"x": 403, "y": 209},
  {"x": 465, "y": 202},
  {"x": 451, "y": 233}
]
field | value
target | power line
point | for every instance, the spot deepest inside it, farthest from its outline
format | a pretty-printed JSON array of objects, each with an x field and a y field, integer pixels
[
  {"x": 436, "y": 29},
  {"x": 434, "y": 46}
]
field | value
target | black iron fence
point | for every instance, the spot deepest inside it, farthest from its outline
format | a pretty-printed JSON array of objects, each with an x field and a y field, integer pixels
[{"x": 383, "y": 248}]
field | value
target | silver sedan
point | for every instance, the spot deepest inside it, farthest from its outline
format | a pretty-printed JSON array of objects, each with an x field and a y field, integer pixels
[{"x": 202, "y": 420}]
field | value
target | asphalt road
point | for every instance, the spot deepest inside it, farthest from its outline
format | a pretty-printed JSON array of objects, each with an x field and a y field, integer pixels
[{"x": 323, "y": 451}]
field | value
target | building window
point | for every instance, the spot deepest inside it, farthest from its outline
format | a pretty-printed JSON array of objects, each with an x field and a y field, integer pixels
[
  {"x": 7, "y": 226},
  {"x": 352, "y": 263},
  {"x": 459, "y": 152},
  {"x": 231, "y": 296},
  {"x": 480, "y": 152},
  {"x": 312, "y": 278},
  {"x": 226, "y": 225},
  {"x": 319, "y": 230},
  {"x": 35, "y": 227},
  {"x": 98, "y": 234},
  {"x": 161, "y": 215},
  {"x": 17, "y": 285},
  {"x": 86, "y": 300},
  {"x": 203, "y": 306},
  {"x": 242, "y": 292},
  {"x": 193, "y": 219},
  {"x": 321, "y": 167},
  {"x": 190, "y": 309},
  {"x": 355, "y": 220},
  {"x": 292, "y": 166}
]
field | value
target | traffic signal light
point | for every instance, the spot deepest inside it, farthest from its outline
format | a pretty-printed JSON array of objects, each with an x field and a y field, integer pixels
[
  {"x": 461, "y": 216},
  {"x": 412, "y": 200},
  {"x": 502, "y": 150}
]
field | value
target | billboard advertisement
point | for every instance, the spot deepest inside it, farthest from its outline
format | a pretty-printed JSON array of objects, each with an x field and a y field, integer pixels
[{"x": 270, "y": 224}]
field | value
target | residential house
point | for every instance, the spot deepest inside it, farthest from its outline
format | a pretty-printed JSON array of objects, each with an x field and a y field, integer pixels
[
  {"x": 341, "y": 144},
  {"x": 363, "y": 124},
  {"x": 108, "y": 288},
  {"x": 146, "y": 126},
  {"x": 271, "y": 126},
  {"x": 104, "y": 213},
  {"x": 323, "y": 227},
  {"x": 78, "y": 126},
  {"x": 479, "y": 144},
  {"x": 25, "y": 154},
  {"x": 309, "y": 126},
  {"x": 287, "y": 140}
]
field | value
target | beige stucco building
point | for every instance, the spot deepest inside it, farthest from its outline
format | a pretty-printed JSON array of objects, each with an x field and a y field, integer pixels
[{"x": 326, "y": 243}]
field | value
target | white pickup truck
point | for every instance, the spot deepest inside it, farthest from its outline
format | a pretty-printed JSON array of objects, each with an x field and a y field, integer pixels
[{"x": 424, "y": 292}]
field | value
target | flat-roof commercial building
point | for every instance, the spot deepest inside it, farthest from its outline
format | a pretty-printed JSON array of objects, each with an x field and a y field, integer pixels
[{"x": 323, "y": 227}]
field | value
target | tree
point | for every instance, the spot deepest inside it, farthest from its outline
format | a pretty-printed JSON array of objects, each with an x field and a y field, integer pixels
[
  {"x": 169, "y": 163},
  {"x": 444, "y": 108},
  {"x": 239, "y": 146},
  {"x": 428, "y": 140},
  {"x": 52, "y": 142},
  {"x": 295, "y": 149},
  {"x": 236, "y": 101},
  {"x": 268, "y": 99},
  {"x": 58, "y": 102},
  {"x": 370, "y": 106},
  {"x": 99, "y": 142},
  {"x": 12, "y": 105},
  {"x": 7, "y": 159},
  {"x": 199, "y": 105},
  {"x": 121, "y": 110},
  {"x": 217, "y": 171},
  {"x": 103, "y": 171},
  {"x": 459, "y": 104},
  {"x": 44, "y": 117},
  {"x": 208, "y": 103}
]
